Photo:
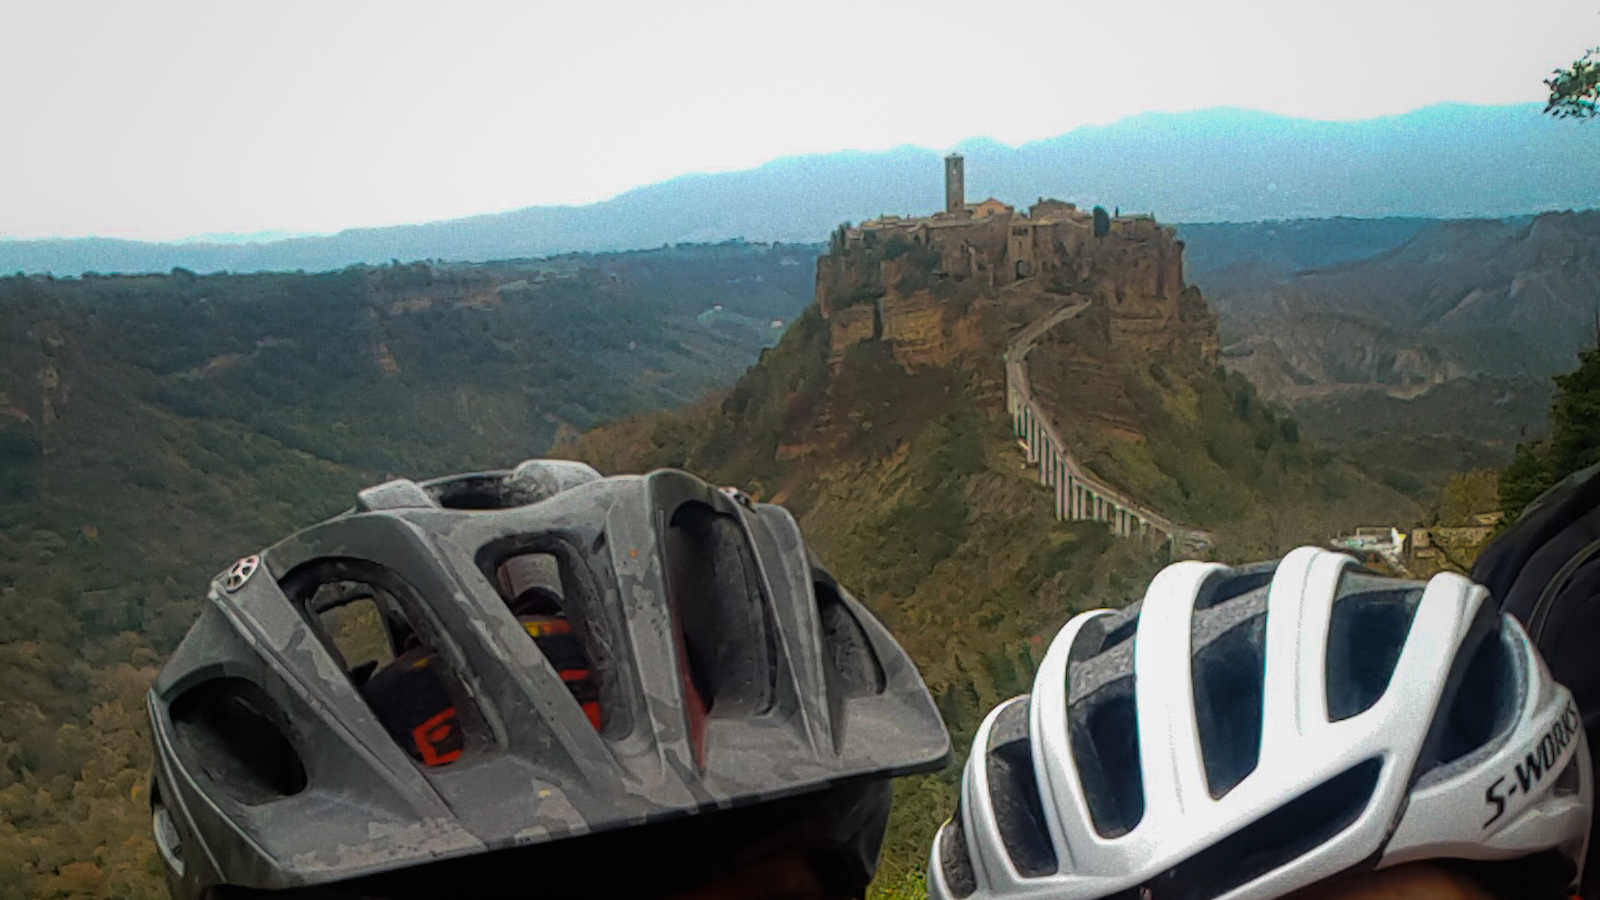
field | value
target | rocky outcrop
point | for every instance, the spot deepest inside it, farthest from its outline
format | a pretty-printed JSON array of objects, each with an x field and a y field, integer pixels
[
  {"x": 848, "y": 327},
  {"x": 53, "y": 395}
]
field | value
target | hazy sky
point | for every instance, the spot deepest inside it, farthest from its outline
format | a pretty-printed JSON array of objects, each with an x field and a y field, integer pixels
[{"x": 164, "y": 120}]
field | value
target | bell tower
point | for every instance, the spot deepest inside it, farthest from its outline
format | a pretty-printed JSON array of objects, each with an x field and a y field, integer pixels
[{"x": 955, "y": 187}]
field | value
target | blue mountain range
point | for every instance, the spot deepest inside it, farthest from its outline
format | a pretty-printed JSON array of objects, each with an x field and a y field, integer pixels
[{"x": 1219, "y": 165}]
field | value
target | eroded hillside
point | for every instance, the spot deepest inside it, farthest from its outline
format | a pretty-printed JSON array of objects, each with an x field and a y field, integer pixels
[{"x": 1429, "y": 356}]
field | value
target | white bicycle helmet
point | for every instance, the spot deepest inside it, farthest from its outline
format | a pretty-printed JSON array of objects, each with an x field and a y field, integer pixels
[{"x": 1243, "y": 733}]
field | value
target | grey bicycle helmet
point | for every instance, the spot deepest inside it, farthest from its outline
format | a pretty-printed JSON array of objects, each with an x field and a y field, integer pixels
[
  {"x": 360, "y": 710},
  {"x": 1241, "y": 734}
]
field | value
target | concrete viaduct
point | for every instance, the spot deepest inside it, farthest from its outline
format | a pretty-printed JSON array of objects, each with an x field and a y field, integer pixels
[{"x": 1078, "y": 494}]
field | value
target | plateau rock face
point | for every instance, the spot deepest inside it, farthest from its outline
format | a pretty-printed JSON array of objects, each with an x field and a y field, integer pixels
[{"x": 848, "y": 327}]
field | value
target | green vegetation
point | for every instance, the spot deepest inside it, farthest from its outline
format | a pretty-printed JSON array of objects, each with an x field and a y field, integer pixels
[
  {"x": 1575, "y": 89},
  {"x": 1573, "y": 443},
  {"x": 1469, "y": 494},
  {"x": 1204, "y": 448},
  {"x": 155, "y": 428}
]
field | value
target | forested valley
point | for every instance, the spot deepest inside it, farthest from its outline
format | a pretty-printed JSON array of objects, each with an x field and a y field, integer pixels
[{"x": 154, "y": 428}]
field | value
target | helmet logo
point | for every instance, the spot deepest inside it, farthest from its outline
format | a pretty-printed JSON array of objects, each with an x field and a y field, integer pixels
[
  {"x": 1540, "y": 761},
  {"x": 240, "y": 573}
]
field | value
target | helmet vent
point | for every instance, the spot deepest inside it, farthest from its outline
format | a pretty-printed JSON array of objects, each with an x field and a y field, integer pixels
[
  {"x": 1480, "y": 698},
  {"x": 371, "y": 622},
  {"x": 1014, "y": 793},
  {"x": 547, "y": 581},
  {"x": 1105, "y": 746},
  {"x": 531, "y": 585},
  {"x": 1287, "y": 833},
  {"x": 477, "y": 492},
  {"x": 1366, "y": 632},
  {"x": 721, "y": 607},
  {"x": 1229, "y": 584},
  {"x": 530, "y": 482},
  {"x": 1229, "y": 673},
  {"x": 235, "y": 735},
  {"x": 1118, "y": 629},
  {"x": 849, "y": 667},
  {"x": 955, "y": 860}
]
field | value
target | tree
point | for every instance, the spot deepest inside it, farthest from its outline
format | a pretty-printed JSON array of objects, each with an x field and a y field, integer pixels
[
  {"x": 839, "y": 238},
  {"x": 1575, "y": 90},
  {"x": 1573, "y": 444}
]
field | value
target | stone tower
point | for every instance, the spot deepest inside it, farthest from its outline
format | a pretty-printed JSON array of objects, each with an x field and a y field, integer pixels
[{"x": 955, "y": 187}]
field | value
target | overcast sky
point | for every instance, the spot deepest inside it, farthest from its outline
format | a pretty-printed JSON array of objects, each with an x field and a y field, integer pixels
[{"x": 166, "y": 120}]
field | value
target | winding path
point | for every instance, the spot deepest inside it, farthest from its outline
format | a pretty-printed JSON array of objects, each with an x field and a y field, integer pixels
[{"x": 1079, "y": 494}]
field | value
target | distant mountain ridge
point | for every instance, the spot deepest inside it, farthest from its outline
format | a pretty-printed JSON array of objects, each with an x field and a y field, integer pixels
[
  {"x": 1418, "y": 345},
  {"x": 1449, "y": 161},
  {"x": 1457, "y": 299}
]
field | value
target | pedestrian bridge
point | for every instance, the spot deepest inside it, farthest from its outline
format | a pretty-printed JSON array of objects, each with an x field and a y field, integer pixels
[{"x": 1079, "y": 495}]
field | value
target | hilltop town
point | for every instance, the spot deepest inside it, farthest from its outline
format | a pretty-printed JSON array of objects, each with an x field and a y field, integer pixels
[
  {"x": 909, "y": 280},
  {"x": 1045, "y": 223}
]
